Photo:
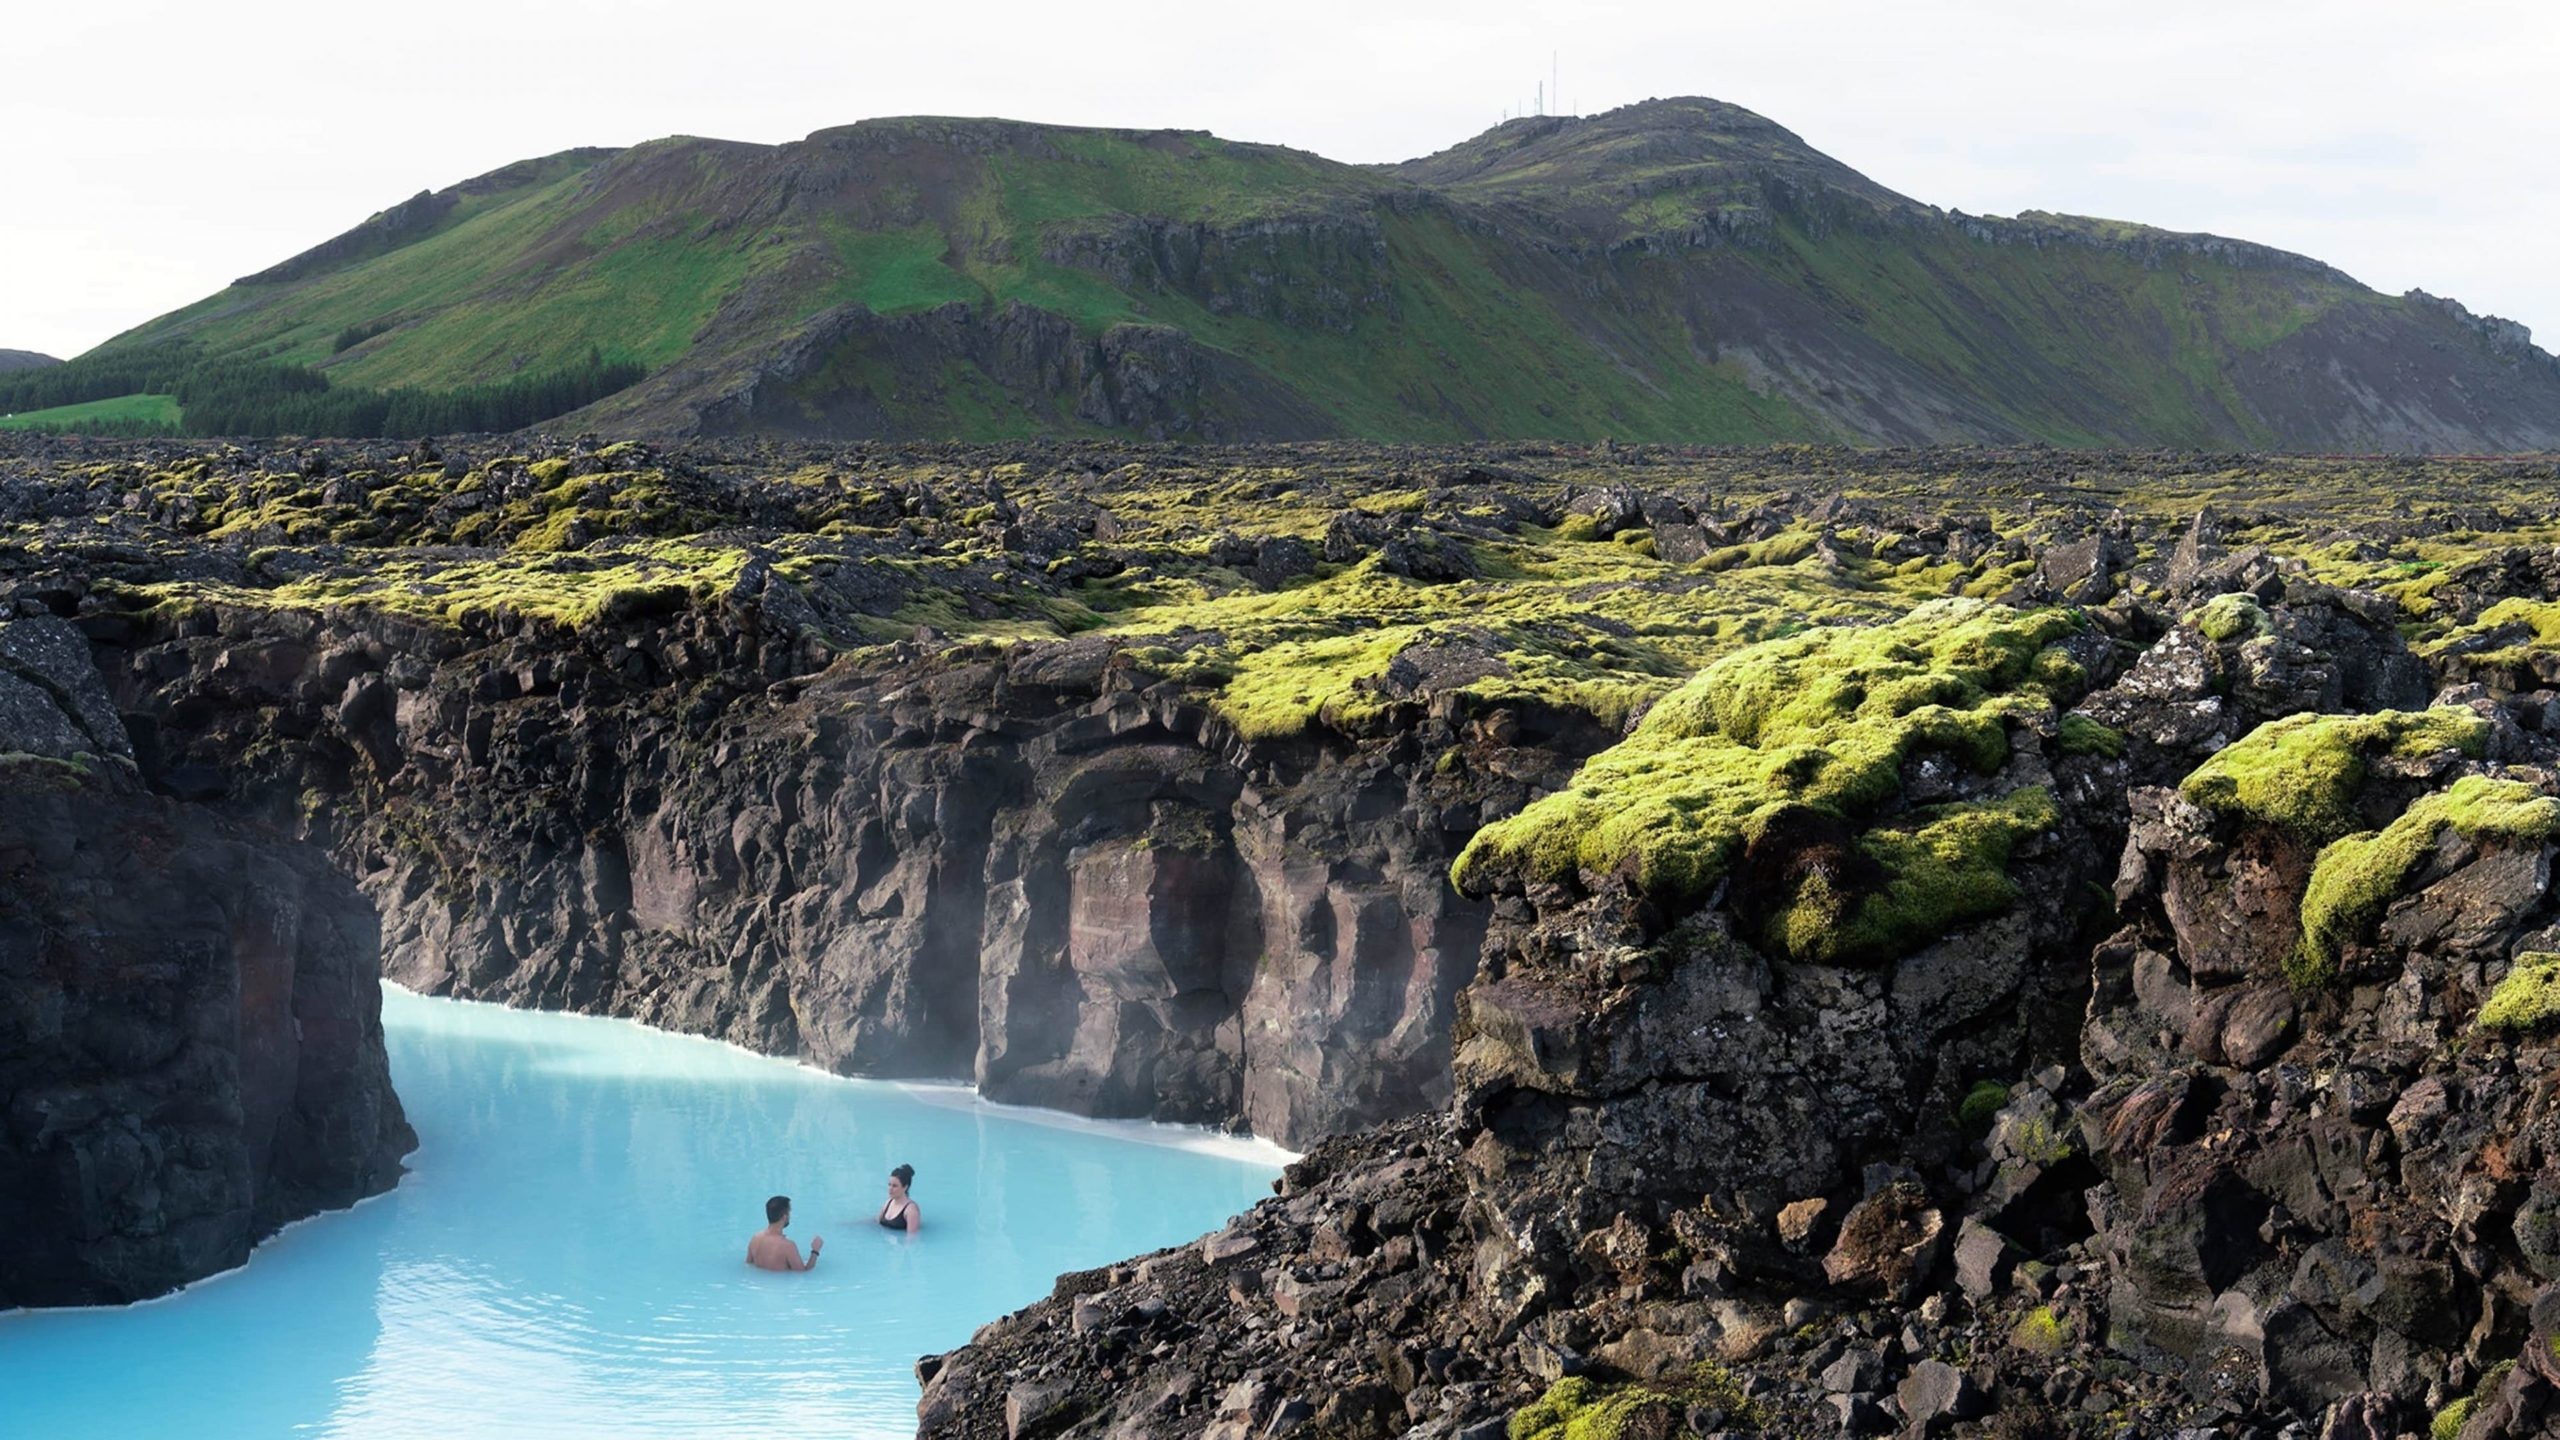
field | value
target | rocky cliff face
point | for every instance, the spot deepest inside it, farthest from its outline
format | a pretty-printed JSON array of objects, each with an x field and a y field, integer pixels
[
  {"x": 1150, "y": 380},
  {"x": 1041, "y": 869},
  {"x": 1943, "y": 943},
  {"x": 190, "y": 1016},
  {"x": 2278, "y": 1139},
  {"x": 1056, "y": 869}
]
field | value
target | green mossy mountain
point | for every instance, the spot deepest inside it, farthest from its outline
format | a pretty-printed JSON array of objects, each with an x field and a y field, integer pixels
[{"x": 1677, "y": 270}]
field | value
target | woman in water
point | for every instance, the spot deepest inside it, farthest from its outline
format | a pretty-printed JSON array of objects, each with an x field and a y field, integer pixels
[{"x": 901, "y": 1212}]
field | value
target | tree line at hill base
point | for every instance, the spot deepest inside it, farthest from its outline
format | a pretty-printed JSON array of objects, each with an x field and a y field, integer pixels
[{"x": 265, "y": 397}]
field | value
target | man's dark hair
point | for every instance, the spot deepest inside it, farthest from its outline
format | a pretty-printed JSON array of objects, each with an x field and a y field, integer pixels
[{"x": 776, "y": 1208}]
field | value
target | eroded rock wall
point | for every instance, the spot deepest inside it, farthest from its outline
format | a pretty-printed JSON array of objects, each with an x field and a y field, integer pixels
[
  {"x": 1039, "y": 868},
  {"x": 191, "y": 1044},
  {"x": 1693, "y": 1186}
]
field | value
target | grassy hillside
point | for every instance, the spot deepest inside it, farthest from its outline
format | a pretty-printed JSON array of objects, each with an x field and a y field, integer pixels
[
  {"x": 2080, "y": 345},
  {"x": 121, "y": 413},
  {"x": 637, "y": 259},
  {"x": 1680, "y": 271}
]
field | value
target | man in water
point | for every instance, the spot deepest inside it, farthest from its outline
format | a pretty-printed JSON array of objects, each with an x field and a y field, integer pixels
[{"x": 770, "y": 1249}]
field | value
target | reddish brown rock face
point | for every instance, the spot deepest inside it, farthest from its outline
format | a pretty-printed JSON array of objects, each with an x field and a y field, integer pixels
[
  {"x": 1889, "y": 1243},
  {"x": 2233, "y": 916}
]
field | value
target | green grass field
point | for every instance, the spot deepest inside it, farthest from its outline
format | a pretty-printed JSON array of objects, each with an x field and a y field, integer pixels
[{"x": 122, "y": 410}]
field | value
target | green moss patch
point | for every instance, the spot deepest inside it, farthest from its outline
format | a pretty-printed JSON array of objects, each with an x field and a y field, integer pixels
[
  {"x": 2450, "y": 1420},
  {"x": 1982, "y": 1105},
  {"x": 1281, "y": 689},
  {"x": 2226, "y": 618},
  {"x": 2301, "y": 774},
  {"x": 1783, "y": 549},
  {"x": 1941, "y": 868},
  {"x": 569, "y": 590},
  {"x": 2041, "y": 1332},
  {"x": 2080, "y": 735},
  {"x": 1821, "y": 721},
  {"x": 2529, "y": 998},
  {"x": 2542, "y": 617},
  {"x": 2506, "y": 635},
  {"x": 1581, "y": 1408},
  {"x": 2356, "y": 876},
  {"x": 1595, "y": 627}
]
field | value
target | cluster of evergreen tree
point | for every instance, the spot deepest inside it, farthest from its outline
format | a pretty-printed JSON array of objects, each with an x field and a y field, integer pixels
[
  {"x": 355, "y": 335},
  {"x": 263, "y": 397},
  {"x": 111, "y": 429},
  {"x": 281, "y": 400},
  {"x": 149, "y": 371}
]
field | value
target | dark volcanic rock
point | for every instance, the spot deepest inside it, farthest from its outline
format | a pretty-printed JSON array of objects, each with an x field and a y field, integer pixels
[
  {"x": 2289, "y": 1205},
  {"x": 1426, "y": 556},
  {"x": 190, "y": 1020},
  {"x": 1025, "y": 870},
  {"x": 2083, "y": 571},
  {"x": 2093, "y": 1160}
]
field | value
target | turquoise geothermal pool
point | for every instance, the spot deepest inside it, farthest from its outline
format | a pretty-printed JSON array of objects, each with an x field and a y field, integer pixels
[{"x": 566, "y": 1255}]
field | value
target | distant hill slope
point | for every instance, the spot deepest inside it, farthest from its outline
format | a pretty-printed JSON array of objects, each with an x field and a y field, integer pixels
[
  {"x": 1675, "y": 270},
  {"x": 24, "y": 360}
]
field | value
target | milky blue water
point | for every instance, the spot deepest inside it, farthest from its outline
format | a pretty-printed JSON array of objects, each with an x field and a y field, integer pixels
[{"x": 567, "y": 1255}]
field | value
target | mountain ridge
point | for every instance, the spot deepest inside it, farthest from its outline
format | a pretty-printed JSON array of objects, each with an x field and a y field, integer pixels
[{"x": 1679, "y": 270}]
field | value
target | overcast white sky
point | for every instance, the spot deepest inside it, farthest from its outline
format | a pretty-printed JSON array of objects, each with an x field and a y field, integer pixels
[{"x": 152, "y": 150}]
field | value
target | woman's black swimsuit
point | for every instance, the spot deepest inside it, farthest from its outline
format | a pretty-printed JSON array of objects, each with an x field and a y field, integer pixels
[{"x": 899, "y": 1223}]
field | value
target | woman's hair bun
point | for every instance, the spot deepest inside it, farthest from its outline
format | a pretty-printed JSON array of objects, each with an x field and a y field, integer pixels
[{"x": 906, "y": 1175}]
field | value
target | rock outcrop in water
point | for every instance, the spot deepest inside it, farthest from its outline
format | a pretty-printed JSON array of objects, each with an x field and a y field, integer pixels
[
  {"x": 190, "y": 1012},
  {"x": 1935, "y": 943}
]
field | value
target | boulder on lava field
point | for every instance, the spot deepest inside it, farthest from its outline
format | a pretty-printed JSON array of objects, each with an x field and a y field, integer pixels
[
  {"x": 1889, "y": 1244},
  {"x": 1429, "y": 556}
]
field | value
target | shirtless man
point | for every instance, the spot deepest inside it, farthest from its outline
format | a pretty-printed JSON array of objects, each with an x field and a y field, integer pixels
[{"x": 770, "y": 1249}]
